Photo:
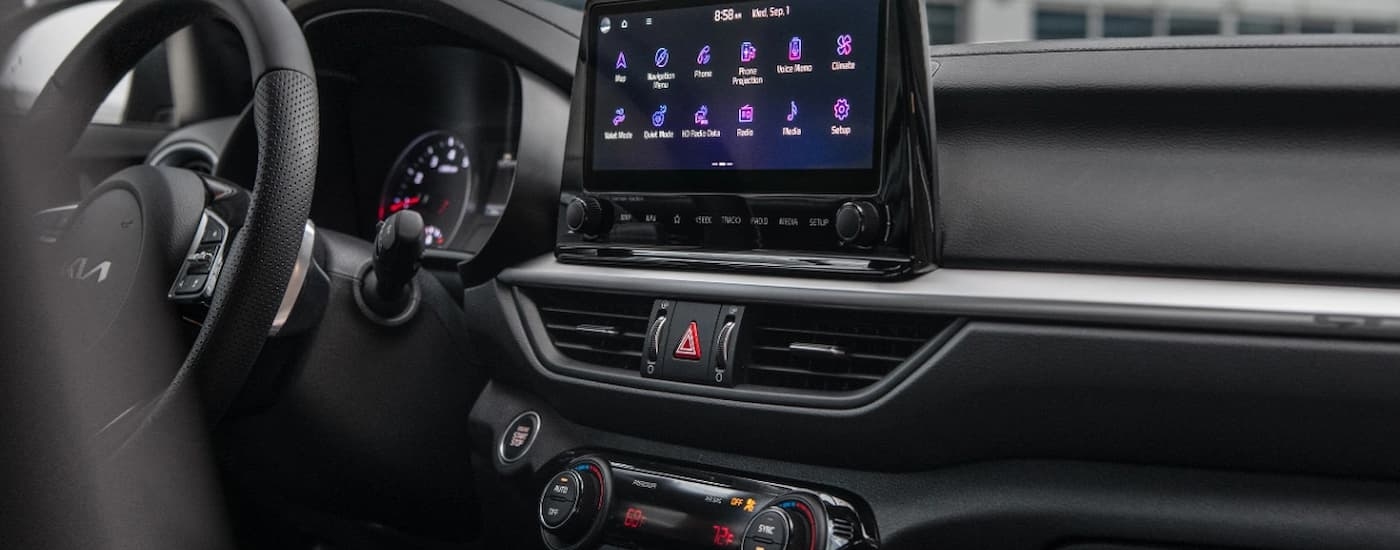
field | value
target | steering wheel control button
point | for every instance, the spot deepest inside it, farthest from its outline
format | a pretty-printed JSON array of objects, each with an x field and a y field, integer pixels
[
  {"x": 191, "y": 284},
  {"x": 213, "y": 233},
  {"x": 202, "y": 262},
  {"x": 519, "y": 436}
]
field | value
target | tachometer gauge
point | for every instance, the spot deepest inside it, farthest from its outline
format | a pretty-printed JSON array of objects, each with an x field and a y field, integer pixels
[{"x": 433, "y": 177}]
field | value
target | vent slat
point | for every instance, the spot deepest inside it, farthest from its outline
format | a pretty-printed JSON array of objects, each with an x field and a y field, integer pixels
[
  {"x": 861, "y": 347},
  {"x": 588, "y": 348},
  {"x": 596, "y": 314},
  {"x": 604, "y": 330},
  {"x": 835, "y": 334},
  {"x": 870, "y": 378},
  {"x": 574, "y": 329}
]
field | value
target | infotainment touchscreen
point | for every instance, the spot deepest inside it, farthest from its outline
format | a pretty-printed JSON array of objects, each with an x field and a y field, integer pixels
[{"x": 734, "y": 97}]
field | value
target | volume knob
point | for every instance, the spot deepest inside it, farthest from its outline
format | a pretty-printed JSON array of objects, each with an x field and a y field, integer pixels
[
  {"x": 859, "y": 223},
  {"x": 588, "y": 216}
]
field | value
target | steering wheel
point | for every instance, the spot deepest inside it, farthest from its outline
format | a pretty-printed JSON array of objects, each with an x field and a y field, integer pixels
[{"x": 105, "y": 294}]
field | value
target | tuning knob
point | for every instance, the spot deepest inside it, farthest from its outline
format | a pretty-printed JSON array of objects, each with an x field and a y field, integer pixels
[
  {"x": 588, "y": 216},
  {"x": 859, "y": 223},
  {"x": 793, "y": 522},
  {"x": 574, "y": 504}
]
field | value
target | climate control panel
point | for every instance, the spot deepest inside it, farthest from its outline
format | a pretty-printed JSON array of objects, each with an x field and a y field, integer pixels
[{"x": 595, "y": 501}]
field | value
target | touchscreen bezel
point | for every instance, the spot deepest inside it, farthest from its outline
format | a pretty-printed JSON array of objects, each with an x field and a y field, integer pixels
[{"x": 849, "y": 182}]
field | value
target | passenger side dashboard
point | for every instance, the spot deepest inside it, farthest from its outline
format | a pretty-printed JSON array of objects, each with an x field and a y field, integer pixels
[{"x": 1153, "y": 323}]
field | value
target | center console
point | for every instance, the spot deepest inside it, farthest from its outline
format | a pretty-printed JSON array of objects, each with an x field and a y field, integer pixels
[
  {"x": 760, "y": 136},
  {"x": 595, "y": 499}
]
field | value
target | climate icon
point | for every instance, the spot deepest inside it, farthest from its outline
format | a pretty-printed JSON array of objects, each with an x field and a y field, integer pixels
[{"x": 843, "y": 45}]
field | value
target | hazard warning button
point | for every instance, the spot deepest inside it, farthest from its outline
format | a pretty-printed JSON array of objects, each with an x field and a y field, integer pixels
[
  {"x": 689, "y": 348},
  {"x": 688, "y": 354}
]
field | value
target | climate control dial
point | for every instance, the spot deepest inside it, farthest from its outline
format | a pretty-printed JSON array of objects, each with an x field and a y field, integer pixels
[
  {"x": 574, "y": 504},
  {"x": 796, "y": 521}
]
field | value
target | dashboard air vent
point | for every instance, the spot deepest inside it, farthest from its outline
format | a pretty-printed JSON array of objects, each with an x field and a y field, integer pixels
[
  {"x": 599, "y": 329},
  {"x": 829, "y": 350}
]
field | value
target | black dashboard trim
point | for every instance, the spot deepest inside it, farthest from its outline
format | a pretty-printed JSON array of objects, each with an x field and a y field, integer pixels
[{"x": 557, "y": 363}]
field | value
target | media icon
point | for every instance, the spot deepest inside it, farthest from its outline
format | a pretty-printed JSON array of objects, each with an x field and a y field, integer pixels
[
  {"x": 792, "y": 114},
  {"x": 702, "y": 116},
  {"x": 605, "y": 25},
  {"x": 619, "y": 116},
  {"x": 663, "y": 56},
  {"x": 795, "y": 49},
  {"x": 746, "y": 114},
  {"x": 621, "y": 61},
  {"x": 747, "y": 52},
  {"x": 704, "y": 57},
  {"x": 659, "y": 117},
  {"x": 843, "y": 45},
  {"x": 842, "y": 109}
]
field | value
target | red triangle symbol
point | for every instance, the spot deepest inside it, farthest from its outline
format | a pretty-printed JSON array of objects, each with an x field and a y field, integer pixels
[{"x": 690, "y": 344}]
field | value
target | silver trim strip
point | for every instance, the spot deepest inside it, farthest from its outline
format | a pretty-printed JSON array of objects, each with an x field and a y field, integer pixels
[
  {"x": 1163, "y": 301},
  {"x": 297, "y": 280}
]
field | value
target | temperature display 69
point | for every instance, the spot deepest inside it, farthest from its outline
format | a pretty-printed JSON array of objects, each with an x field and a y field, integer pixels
[{"x": 433, "y": 176}]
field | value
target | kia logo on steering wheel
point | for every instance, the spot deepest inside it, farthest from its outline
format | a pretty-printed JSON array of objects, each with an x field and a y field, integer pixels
[{"x": 78, "y": 270}]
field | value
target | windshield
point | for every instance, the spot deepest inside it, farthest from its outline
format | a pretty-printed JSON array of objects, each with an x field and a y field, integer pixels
[{"x": 959, "y": 21}]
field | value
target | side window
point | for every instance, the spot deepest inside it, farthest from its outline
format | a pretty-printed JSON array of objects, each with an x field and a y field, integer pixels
[{"x": 142, "y": 96}]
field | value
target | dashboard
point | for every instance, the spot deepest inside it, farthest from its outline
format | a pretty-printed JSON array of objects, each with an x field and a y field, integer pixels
[
  {"x": 741, "y": 275},
  {"x": 427, "y": 124}
]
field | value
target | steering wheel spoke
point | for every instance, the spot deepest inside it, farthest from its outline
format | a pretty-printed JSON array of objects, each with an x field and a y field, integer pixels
[{"x": 50, "y": 223}]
